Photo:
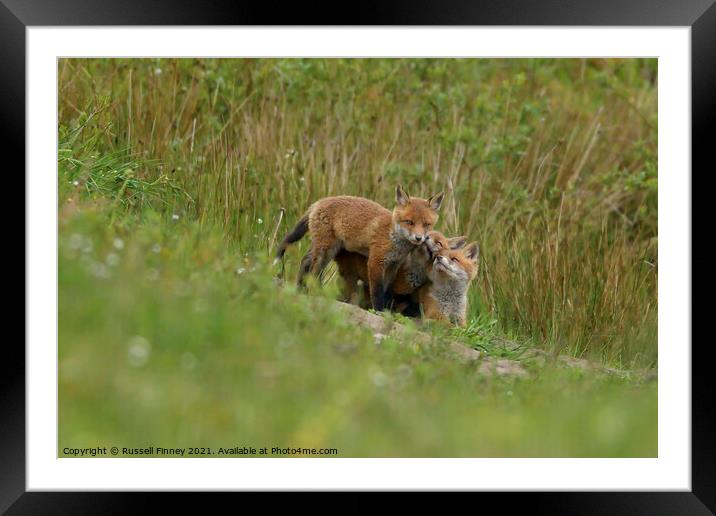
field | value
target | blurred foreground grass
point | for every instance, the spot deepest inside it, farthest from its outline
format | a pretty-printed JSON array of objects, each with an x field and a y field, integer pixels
[{"x": 172, "y": 331}]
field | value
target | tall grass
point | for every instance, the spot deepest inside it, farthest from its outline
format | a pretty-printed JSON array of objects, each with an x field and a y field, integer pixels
[{"x": 549, "y": 163}]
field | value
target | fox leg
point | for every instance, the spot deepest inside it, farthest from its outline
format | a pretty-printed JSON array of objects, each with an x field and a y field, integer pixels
[
  {"x": 413, "y": 308},
  {"x": 348, "y": 275},
  {"x": 322, "y": 256},
  {"x": 349, "y": 289},
  {"x": 350, "y": 286},
  {"x": 325, "y": 245},
  {"x": 303, "y": 269},
  {"x": 309, "y": 265},
  {"x": 389, "y": 273},
  {"x": 375, "y": 283},
  {"x": 408, "y": 306},
  {"x": 365, "y": 302}
]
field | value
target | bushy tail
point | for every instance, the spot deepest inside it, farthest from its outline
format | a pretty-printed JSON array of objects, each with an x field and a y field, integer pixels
[{"x": 294, "y": 236}]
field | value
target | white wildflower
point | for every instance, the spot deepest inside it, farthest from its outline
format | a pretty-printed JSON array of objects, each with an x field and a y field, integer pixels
[
  {"x": 200, "y": 305},
  {"x": 379, "y": 379},
  {"x": 76, "y": 241},
  {"x": 138, "y": 349},
  {"x": 99, "y": 270},
  {"x": 188, "y": 360}
]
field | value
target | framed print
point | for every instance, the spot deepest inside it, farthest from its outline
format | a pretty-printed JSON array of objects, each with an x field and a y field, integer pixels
[{"x": 419, "y": 252}]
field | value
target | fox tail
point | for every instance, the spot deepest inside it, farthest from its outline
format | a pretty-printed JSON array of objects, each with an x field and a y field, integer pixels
[{"x": 294, "y": 236}]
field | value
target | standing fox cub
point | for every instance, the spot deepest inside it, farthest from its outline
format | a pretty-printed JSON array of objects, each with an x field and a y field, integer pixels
[
  {"x": 444, "y": 296},
  {"x": 362, "y": 226}
]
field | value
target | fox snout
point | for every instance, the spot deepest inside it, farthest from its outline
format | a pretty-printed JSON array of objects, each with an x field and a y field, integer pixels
[
  {"x": 443, "y": 263},
  {"x": 418, "y": 238}
]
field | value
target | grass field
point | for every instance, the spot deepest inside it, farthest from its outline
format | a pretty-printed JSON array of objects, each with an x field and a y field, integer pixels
[{"x": 178, "y": 177}]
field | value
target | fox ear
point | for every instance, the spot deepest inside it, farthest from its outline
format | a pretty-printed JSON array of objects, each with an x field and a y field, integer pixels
[
  {"x": 457, "y": 242},
  {"x": 436, "y": 200},
  {"x": 473, "y": 252},
  {"x": 401, "y": 197}
]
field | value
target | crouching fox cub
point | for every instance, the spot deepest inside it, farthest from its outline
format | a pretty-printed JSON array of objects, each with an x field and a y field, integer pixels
[
  {"x": 444, "y": 297},
  {"x": 359, "y": 225}
]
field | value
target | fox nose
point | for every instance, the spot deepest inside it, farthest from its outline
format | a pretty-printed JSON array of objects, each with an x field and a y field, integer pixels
[{"x": 418, "y": 238}]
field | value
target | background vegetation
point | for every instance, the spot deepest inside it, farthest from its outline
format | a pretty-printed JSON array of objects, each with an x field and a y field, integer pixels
[{"x": 178, "y": 177}]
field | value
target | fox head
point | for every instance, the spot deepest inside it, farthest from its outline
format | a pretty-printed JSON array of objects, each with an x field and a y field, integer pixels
[
  {"x": 413, "y": 218},
  {"x": 435, "y": 243},
  {"x": 455, "y": 264},
  {"x": 438, "y": 243}
]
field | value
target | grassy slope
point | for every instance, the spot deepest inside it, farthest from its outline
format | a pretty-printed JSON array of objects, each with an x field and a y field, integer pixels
[
  {"x": 173, "y": 333},
  {"x": 162, "y": 342}
]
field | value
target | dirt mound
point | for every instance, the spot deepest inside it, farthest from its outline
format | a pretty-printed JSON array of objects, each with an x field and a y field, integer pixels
[{"x": 486, "y": 364}]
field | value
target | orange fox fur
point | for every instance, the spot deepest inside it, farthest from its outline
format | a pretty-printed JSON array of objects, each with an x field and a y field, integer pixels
[{"x": 359, "y": 225}]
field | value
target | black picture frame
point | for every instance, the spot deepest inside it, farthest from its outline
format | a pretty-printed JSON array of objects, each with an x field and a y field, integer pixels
[{"x": 699, "y": 15}]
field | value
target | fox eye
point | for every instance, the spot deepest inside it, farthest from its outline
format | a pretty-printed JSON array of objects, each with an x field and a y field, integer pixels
[
  {"x": 439, "y": 245},
  {"x": 454, "y": 259},
  {"x": 427, "y": 225},
  {"x": 409, "y": 222}
]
